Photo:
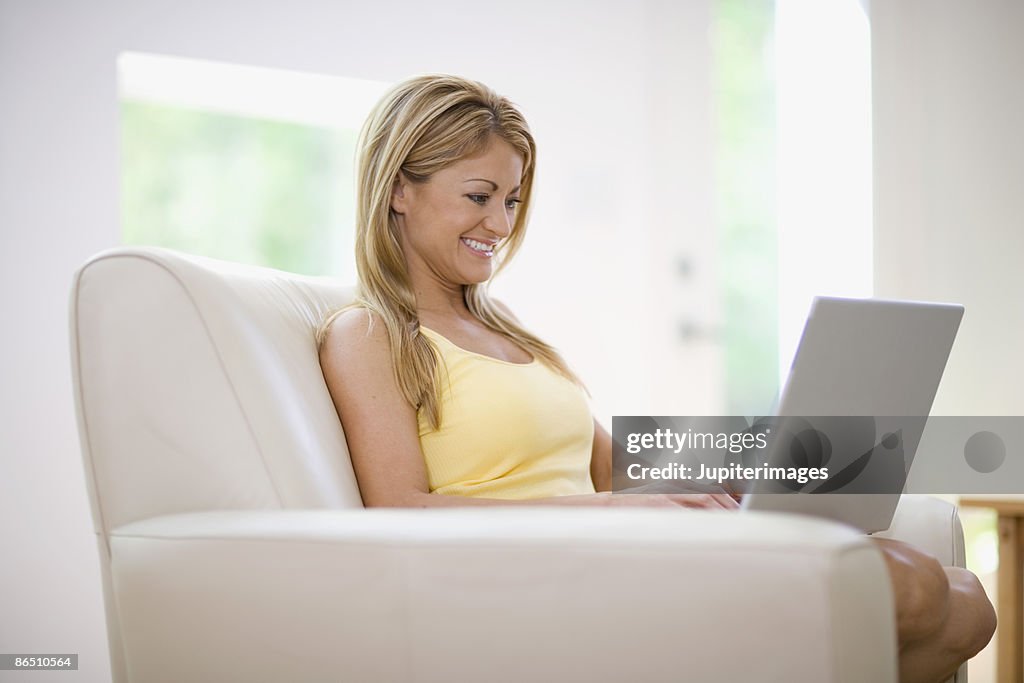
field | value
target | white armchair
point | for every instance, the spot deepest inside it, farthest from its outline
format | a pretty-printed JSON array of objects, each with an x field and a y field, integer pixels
[{"x": 234, "y": 544}]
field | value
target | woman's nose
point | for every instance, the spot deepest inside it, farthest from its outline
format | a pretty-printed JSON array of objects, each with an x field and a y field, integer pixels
[{"x": 499, "y": 222}]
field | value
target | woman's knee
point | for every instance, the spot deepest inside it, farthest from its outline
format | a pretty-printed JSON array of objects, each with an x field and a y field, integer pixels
[
  {"x": 921, "y": 589},
  {"x": 972, "y": 616}
]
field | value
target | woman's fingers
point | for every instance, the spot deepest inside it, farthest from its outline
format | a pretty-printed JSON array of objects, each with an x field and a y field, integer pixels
[
  {"x": 727, "y": 501},
  {"x": 710, "y": 501},
  {"x": 705, "y": 501}
]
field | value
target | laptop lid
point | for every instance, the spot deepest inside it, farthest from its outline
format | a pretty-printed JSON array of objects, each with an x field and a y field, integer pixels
[{"x": 860, "y": 360}]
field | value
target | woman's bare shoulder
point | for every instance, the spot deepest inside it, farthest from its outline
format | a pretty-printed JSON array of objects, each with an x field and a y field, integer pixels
[
  {"x": 350, "y": 322},
  {"x": 354, "y": 334}
]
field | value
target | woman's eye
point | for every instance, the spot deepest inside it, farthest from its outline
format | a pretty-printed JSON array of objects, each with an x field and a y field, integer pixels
[{"x": 481, "y": 199}]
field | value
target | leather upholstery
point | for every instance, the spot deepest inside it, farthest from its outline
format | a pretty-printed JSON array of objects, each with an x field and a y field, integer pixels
[{"x": 194, "y": 378}]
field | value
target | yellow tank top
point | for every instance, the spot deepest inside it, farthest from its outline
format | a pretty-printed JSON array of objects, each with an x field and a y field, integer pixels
[{"x": 508, "y": 430}]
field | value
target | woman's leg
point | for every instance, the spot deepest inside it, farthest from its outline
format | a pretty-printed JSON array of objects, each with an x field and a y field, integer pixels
[{"x": 943, "y": 617}]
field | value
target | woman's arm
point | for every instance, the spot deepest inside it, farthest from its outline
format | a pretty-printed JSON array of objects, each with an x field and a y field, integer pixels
[
  {"x": 383, "y": 435},
  {"x": 380, "y": 426},
  {"x": 601, "y": 459}
]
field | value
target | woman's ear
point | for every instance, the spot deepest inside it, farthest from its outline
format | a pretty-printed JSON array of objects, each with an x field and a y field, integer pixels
[{"x": 399, "y": 194}]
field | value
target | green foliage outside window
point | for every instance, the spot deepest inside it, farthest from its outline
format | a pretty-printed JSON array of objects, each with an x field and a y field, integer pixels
[
  {"x": 745, "y": 180},
  {"x": 243, "y": 189}
]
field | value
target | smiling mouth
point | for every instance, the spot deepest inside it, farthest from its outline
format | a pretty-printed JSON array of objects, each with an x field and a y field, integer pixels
[{"x": 479, "y": 247}]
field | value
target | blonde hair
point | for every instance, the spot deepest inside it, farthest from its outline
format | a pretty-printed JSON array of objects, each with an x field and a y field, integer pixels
[{"x": 421, "y": 126}]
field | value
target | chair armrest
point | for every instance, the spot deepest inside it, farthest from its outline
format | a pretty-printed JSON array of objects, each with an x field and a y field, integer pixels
[
  {"x": 500, "y": 594},
  {"x": 930, "y": 524}
]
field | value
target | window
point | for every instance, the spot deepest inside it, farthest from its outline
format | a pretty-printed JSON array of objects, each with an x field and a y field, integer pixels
[
  {"x": 745, "y": 204},
  {"x": 241, "y": 163},
  {"x": 793, "y": 104}
]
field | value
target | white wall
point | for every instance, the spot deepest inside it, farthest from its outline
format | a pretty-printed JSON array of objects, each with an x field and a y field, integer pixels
[
  {"x": 618, "y": 96},
  {"x": 949, "y": 182}
]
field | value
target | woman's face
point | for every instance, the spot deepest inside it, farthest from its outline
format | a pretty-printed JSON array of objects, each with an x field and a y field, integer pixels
[{"x": 450, "y": 224}]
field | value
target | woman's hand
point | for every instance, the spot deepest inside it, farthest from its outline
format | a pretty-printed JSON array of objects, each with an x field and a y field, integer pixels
[{"x": 705, "y": 501}]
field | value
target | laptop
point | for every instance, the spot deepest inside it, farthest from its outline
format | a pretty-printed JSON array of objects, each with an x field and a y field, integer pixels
[{"x": 864, "y": 368}]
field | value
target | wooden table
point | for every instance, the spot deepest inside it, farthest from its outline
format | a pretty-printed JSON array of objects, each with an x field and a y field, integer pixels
[{"x": 1010, "y": 586}]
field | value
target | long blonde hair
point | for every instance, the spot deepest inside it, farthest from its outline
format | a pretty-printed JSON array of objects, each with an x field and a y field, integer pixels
[{"x": 421, "y": 126}]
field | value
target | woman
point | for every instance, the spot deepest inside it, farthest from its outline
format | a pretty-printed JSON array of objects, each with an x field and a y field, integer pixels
[{"x": 442, "y": 391}]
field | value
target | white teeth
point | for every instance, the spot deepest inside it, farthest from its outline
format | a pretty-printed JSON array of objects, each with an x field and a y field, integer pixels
[{"x": 478, "y": 246}]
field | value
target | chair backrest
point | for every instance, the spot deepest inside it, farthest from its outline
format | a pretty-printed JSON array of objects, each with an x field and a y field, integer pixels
[{"x": 198, "y": 387}]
